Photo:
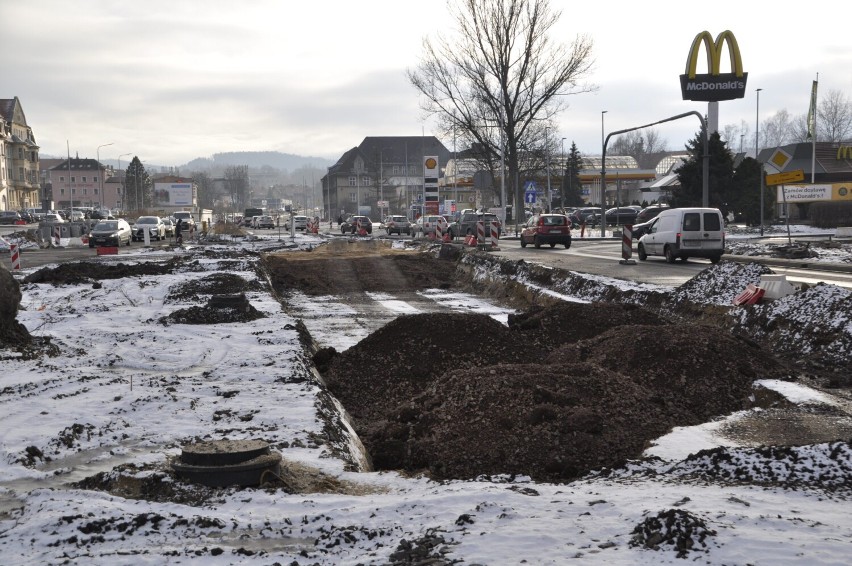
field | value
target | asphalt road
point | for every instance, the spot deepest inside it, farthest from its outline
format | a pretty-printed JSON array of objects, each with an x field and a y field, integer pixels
[{"x": 589, "y": 255}]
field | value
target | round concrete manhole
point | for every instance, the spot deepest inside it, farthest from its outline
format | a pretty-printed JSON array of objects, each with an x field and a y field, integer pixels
[{"x": 222, "y": 463}]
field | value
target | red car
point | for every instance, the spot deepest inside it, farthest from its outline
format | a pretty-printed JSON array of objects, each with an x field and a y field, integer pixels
[{"x": 548, "y": 229}]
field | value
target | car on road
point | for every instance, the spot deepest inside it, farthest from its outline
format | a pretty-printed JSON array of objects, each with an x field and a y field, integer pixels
[
  {"x": 550, "y": 229},
  {"x": 618, "y": 215},
  {"x": 11, "y": 217},
  {"x": 187, "y": 222},
  {"x": 427, "y": 225},
  {"x": 684, "y": 233},
  {"x": 170, "y": 227},
  {"x": 642, "y": 228},
  {"x": 299, "y": 221},
  {"x": 154, "y": 225},
  {"x": 350, "y": 225},
  {"x": 264, "y": 221},
  {"x": 110, "y": 233},
  {"x": 101, "y": 214},
  {"x": 51, "y": 218},
  {"x": 466, "y": 224},
  {"x": 649, "y": 212},
  {"x": 398, "y": 224}
]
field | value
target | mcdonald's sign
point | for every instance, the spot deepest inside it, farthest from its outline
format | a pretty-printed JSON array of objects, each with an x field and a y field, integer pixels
[
  {"x": 714, "y": 85},
  {"x": 844, "y": 152}
]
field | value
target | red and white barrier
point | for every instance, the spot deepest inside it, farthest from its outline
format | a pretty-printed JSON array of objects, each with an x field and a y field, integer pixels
[
  {"x": 16, "y": 256},
  {"x": 480, "y": 232},
  {"x": 750, "y": 296},
  {"x": 439, "y": 229},
  {"x": 495, "y": 233},
  {"x": 627, "y": 245},
  {"x": 57, "y": 232}
]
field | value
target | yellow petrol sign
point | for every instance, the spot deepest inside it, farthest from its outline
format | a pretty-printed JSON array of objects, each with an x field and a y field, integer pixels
[{"x": 786, "y": 177}]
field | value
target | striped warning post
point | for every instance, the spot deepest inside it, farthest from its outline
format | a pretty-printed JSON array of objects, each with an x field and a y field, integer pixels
[
  {"x": 495, "y": 233},
  {"x": 57, "y": 232},
  {"x": 480, "y": 232},
  {"x": 439, "y": 228},
  {"x": 627, "y": 245},
  {"x": 16, "y": 256}
]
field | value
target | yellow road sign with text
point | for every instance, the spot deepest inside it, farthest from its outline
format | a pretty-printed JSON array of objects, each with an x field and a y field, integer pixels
[{"x": 786, "y": 177}]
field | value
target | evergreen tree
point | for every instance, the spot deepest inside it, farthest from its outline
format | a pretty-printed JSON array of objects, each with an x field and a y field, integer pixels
[
  {"x": 721, "y": 192},
  {"x": 746, "y": 187},
  {"x": 137, "y": 187},
  {"x": 571, "y": 186}
]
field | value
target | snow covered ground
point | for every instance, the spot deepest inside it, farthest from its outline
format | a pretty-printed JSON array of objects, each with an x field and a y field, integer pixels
[{"x": 127, "y": 391}]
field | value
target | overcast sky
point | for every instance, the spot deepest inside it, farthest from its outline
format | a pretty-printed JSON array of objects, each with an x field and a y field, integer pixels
[{"x": 172, "y": 81}]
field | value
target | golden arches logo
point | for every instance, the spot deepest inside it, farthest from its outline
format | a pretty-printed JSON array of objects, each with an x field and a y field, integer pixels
[
  {"x": 844, "y": 152},
  {"x": 714, "y": 53},
  {"x": 714, "y": 85}
]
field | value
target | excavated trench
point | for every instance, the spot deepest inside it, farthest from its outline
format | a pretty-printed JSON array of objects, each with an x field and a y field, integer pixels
[{"x": 563, "y": 389}]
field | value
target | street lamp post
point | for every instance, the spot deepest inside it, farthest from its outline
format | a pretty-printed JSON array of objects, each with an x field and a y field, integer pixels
[
  {"x": 547, "y": 164},
  {"x": 756, "y": 149},
  {"x": 100, "y": 174},
  {"x": 564, "y": 170},
  {"x": 603, "y": 178}
]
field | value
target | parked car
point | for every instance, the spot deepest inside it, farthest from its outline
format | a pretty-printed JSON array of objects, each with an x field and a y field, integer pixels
[
  {"x": 155, "y": 227},
  {"x": 27, "y": 217},
  {"x": 170, "y": 227},
  {"x": 350, "y": 225},
  {"x": 51, "y": 218},
  {"x": 582, "y": 215},
  {"x": 77, "y": 216},
  {"x": 264, "y": 221},
  {"x": 550, "y": 229},
  {"x": 426, "y": 225},
  {"x": 300, "y": 222},
  {"x": 684, "y": 233},
  {"x": 617, "y": 215},
  {"x": 36, "y": 213},
  {"x": 398, "y": 224},
  {"x": 110, "y": 233},
  {"x": 101, "y": 214},
  {"x": 187, "y": 222},
  {"x": 466, "y": 224},
  {"x": 642, "y": 228},
  {"x": 650, "y": 212},
  {"x": 10, "y": 217}
]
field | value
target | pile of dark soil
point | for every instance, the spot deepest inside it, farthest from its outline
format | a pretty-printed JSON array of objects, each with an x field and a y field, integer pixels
[
  {"x": 459, "y": 396},
  {"x": 213, "y": 284},
  {"x": 675, "y": 528},
  {"x": 12, "y": 333},
  {"x": 74, "y": 273}
]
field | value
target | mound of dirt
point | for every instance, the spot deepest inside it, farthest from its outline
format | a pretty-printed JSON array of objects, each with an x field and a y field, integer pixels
[
  {"x": 12, "y": 332},
  {"x": 86, "y": 271},
  {"x": 459, "y": 396},
  {"x": 213, "y": 284}
]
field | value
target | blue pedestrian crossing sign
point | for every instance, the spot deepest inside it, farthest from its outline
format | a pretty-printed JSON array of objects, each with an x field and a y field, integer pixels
[{"x": 529, "y": 192}]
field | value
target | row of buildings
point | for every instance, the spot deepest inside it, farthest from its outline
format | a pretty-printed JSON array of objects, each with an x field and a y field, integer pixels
[{"x": 385, "y": 175}]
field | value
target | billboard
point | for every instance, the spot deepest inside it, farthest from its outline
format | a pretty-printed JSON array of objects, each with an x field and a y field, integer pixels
[
  {"x": 714, "y": 85},
  {"x": 174, "y": 194},
  {"x": 811, "y": 193}
]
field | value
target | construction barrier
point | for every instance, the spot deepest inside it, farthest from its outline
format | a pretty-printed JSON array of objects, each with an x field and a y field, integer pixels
[
  {"x": 360, "y": 229},
  {"x": 439, "y": 229},
  {"x": 16, "y": 256},
  {"x": 627, "y": 245},
  {"x": 107, "y": 250},
  {"x": 470, "y": 240},
  {"x": 750, "y": 296},
  {"x": 57, "y": 234},
  {"x": 480, "y": 232},
  {"x": 495, "y": 234}
]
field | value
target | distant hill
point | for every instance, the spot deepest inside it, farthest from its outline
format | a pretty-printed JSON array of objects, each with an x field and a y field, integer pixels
[{"x": 256, "y": 160}]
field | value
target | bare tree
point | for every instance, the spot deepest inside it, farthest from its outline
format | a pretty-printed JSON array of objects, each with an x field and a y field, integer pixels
[
  {"x": 237, "y": 185},
  {"x": 834, "y": 117},
  {"x": 498, "y": 82},
  {"x": 645, "y": 146},
  {"x": 777, "y": 130},
  {"x": 735, "y": 136}
]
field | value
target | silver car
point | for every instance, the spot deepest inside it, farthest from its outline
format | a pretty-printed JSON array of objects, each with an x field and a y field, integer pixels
[{"x": 155, "y": 227}]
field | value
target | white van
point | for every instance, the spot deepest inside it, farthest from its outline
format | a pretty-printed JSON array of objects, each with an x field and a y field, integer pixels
[{"x": 684, "y": 233}]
